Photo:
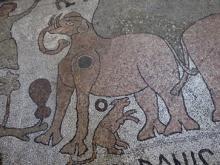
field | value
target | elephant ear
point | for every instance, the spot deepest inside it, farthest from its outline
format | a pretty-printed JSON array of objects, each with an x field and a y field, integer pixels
[{"x": 84, "y": 27}]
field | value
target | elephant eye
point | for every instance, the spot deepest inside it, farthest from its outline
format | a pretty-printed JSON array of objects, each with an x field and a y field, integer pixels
[
  {"x": 84, "y": 62},
  {"x": 69, "y": 23}
]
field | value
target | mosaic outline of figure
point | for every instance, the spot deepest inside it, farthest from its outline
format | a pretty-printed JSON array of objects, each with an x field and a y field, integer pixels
[
  {"x": 92, "y": 66},
  {"x": 8, "y": 46}
]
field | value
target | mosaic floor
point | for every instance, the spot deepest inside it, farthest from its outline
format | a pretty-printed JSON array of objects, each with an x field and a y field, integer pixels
[{"x": 108, "y": 82}]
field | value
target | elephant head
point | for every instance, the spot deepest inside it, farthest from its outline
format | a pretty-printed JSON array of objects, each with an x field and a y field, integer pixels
[{"x": 70, "y": 24}]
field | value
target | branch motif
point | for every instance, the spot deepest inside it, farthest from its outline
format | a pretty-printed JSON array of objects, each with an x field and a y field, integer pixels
[
  {"x": 10, "y": 83},
  {"x": 22, "y": 133}
]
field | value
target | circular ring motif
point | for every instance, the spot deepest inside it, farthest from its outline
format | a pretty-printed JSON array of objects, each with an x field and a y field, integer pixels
[
  {"x": 101, "y": 101},
  {"x": 85, "y": 62}
]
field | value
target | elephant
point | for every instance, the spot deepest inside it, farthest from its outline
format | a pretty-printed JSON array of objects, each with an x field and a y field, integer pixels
[
  {"x": 203, "y": 43},
  {"x": 168, "y": 19},
  {"x": 138, "y": 64}
]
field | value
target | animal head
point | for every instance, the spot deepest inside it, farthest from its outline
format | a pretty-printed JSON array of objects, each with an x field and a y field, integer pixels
[
  {"x": 70, "y": 24},
  {"x": 6, "y": 8},
  {"x": 120, "y": 103}
]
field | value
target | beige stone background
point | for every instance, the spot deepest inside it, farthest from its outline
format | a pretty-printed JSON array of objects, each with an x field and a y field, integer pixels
[{"x": 33, "y": 64}]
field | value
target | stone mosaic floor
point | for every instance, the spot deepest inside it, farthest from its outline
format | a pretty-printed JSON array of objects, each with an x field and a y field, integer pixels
[{"x": 110, "y": 82}]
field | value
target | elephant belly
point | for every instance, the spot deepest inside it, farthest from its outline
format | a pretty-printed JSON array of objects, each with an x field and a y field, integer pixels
[
  {"x": 116, "y": 84},
  {"x": 127, "y": 56}
]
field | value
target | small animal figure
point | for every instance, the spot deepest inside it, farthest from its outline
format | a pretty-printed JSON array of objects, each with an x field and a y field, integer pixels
[
  {"x": 39, "y": 91},
  {"x": 106, "y": 134}
]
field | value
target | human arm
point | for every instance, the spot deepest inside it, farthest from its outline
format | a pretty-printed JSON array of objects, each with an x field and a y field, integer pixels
[{"x": 26, "y": 12}]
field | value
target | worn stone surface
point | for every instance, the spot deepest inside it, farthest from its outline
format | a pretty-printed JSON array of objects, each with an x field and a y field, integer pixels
[{"x": 110, "y": 82}]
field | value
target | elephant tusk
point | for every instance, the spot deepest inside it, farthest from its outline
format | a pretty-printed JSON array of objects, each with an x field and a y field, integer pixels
[
  {"x": 51, "y": 21},
  {"x": 55, "y": 24},
  {"x": 57, "y": 20}
]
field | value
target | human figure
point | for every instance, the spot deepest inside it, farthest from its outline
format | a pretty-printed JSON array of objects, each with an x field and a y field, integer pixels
[
  {"x": 8, "y": 59},
  {"x": 8, "y": 46}
]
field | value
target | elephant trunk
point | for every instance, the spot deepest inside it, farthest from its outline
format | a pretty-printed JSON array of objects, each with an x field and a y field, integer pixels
[{"x": 61, "y": 43}]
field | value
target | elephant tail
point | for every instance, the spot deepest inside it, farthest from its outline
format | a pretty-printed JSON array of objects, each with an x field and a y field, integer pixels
[
  {"x": 185, "y": 64},
  {"x": 92, "y": 158}
]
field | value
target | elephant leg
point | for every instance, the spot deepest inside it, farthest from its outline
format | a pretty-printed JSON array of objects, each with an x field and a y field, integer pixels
[
  {"x": 178, "y": 113},
  {"x": 215, "y": 93},
  {"x": 77, "y": 144},
  {"x": 84, "y": 74},
  {"x": 63, "y": 98},
  {"x": 147, "y": 100},
  {"x": 216, "y": 112},
  {"x": 162, "y": 81}
]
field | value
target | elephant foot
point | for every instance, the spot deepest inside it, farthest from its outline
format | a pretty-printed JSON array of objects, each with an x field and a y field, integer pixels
[
  {"x": 148, "y": 131},
  {"x": 175, "y": 91},
  {"x": 216, "y": 116},
  {"x": 190, "y": 124},
  {"x": 173, "y": 127},
  {"x": 160, "y": 127},
  {"x": 115, "y": 151},
  {"x": 146, "y": 134},
  {"x": 45, "y": 138},
  {"x": 75, "y": 147}
]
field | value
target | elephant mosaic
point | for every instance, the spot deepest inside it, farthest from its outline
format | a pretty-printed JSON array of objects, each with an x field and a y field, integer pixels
[{"x": 138, "y": 64}]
